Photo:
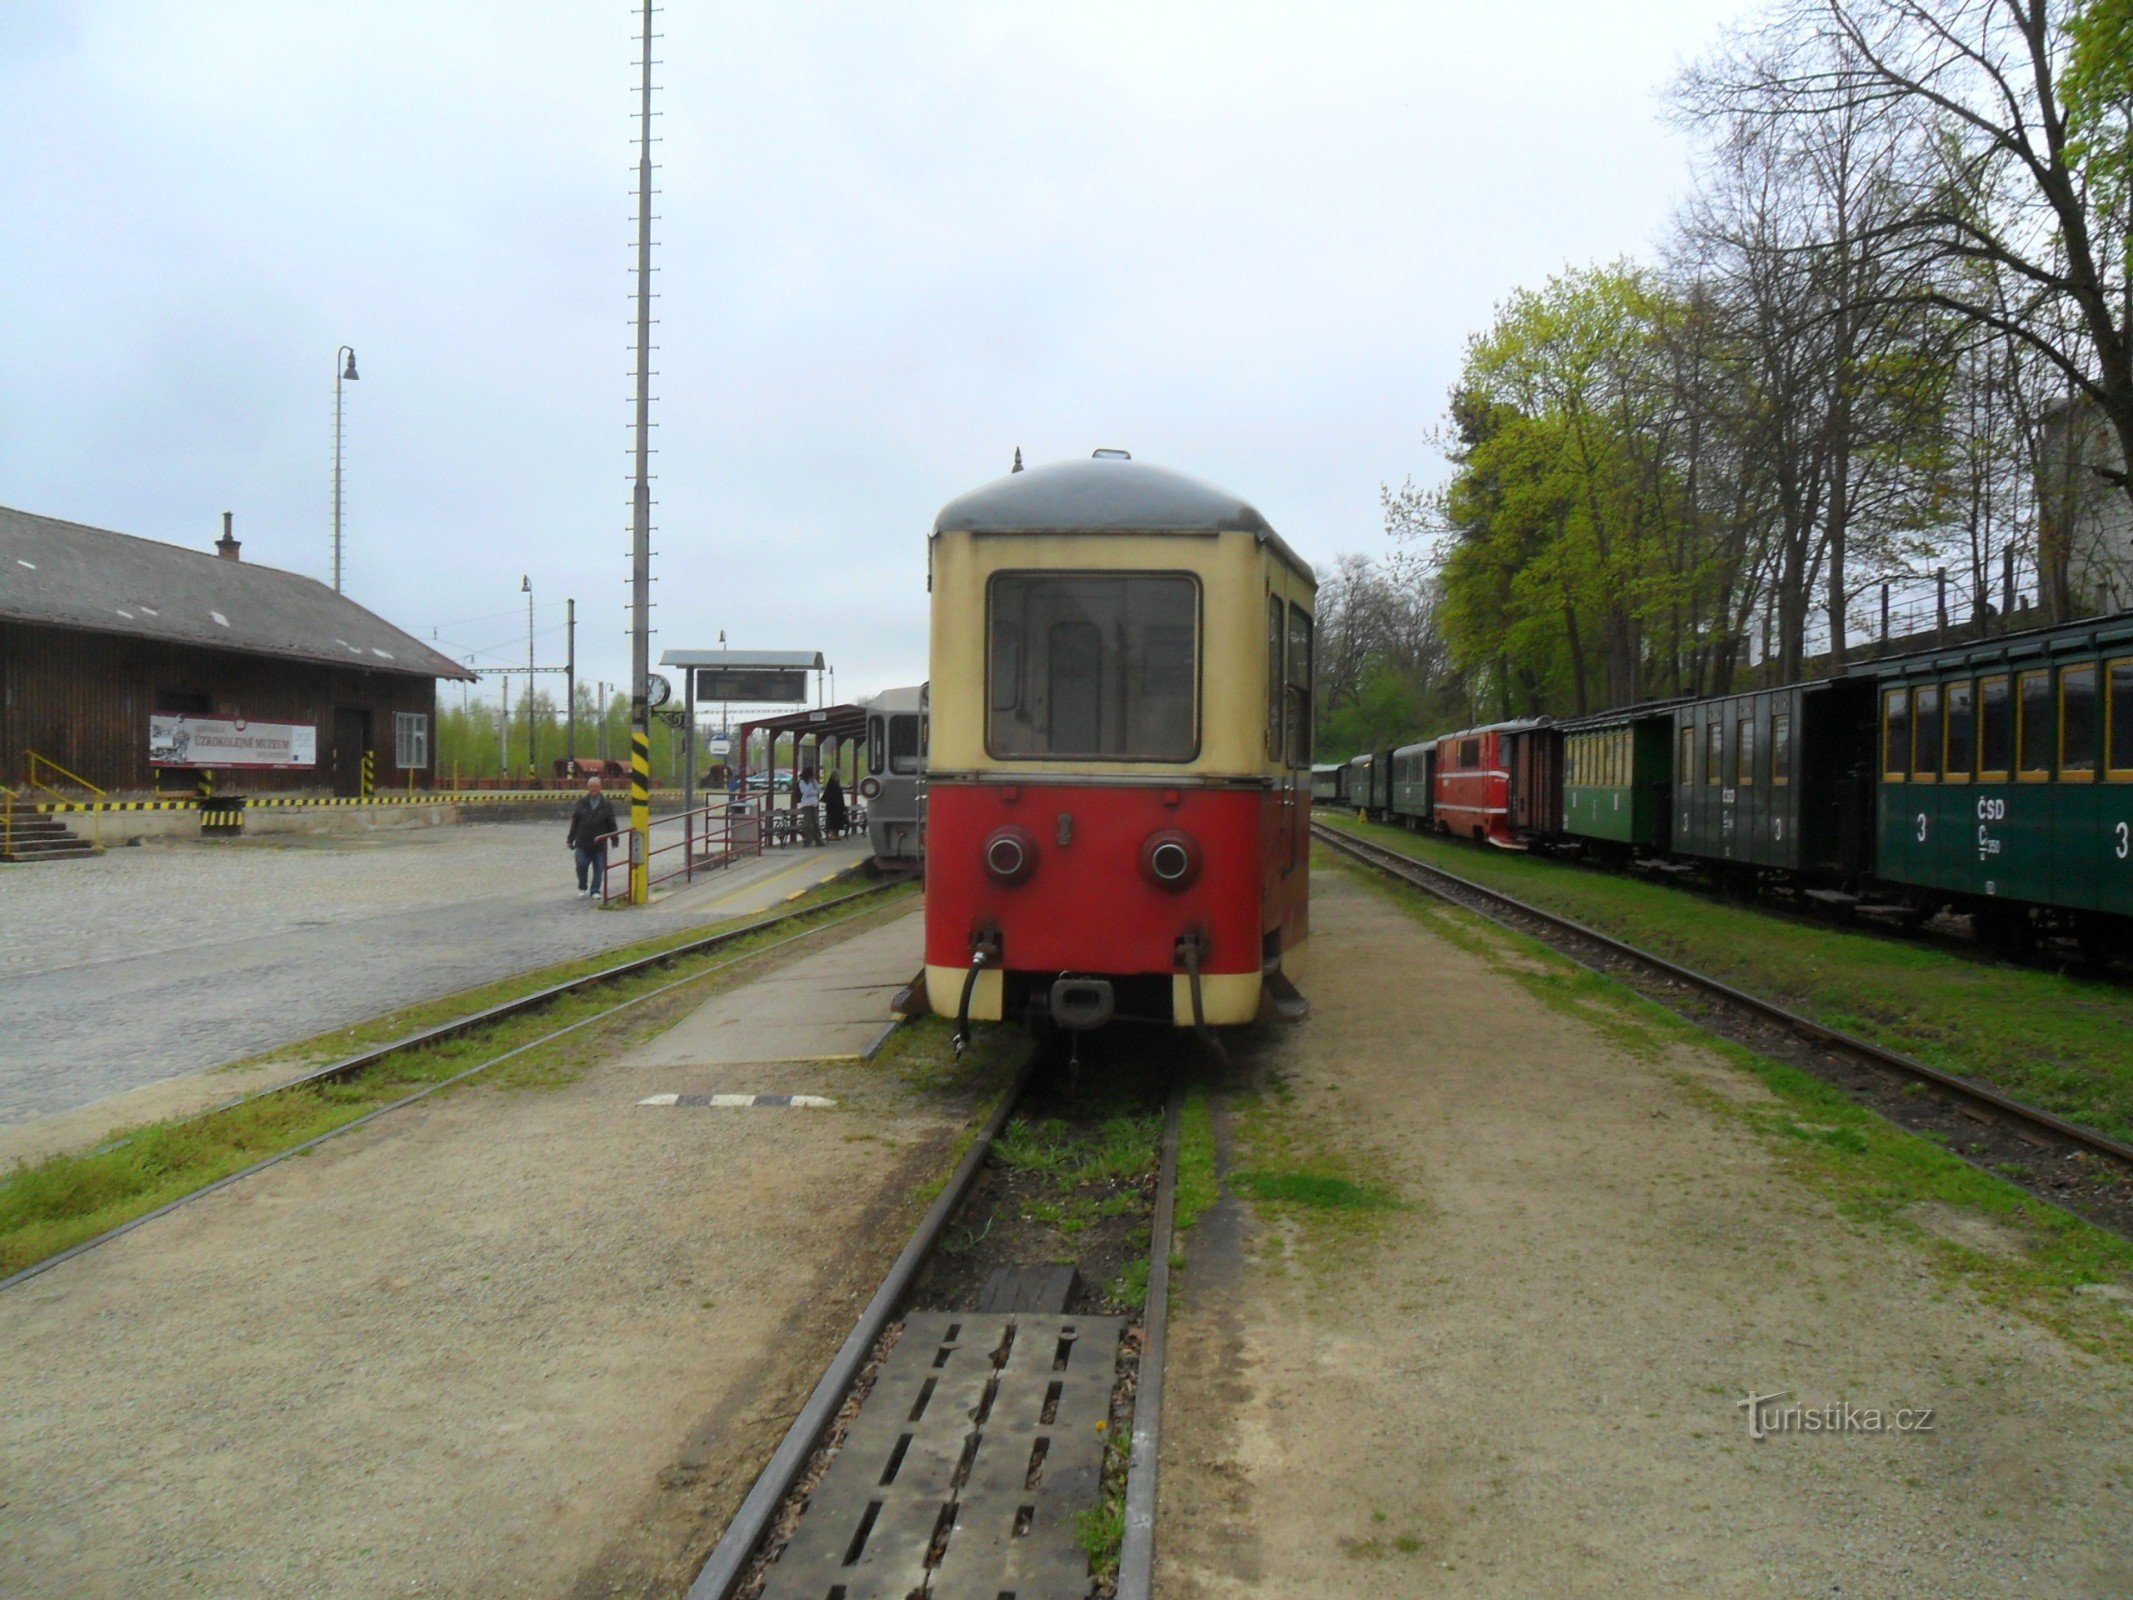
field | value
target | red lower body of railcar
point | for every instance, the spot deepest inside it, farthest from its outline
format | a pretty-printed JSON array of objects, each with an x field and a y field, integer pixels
[{"x": 1083, "y": 895}]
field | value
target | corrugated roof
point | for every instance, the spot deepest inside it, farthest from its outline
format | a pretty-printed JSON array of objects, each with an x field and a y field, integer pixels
[{"x": 66, "y": 575}]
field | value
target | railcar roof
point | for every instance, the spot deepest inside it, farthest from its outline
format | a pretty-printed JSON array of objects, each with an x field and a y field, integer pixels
[
  {"x": 1108, "y": 495},
  {"x": 1518, "y": 726},
  {"x": 2097, "y": 631}
]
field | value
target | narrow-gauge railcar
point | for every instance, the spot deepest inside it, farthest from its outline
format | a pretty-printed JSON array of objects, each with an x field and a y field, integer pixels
[
  {"x": 1777, "y": 780},
  {"x": 1119, "y": 777},
  {"x": 894, "y": 787},
  {"x": 2004, "y": 779},
  {"x": 1413, "y": 767},
  {"x": 1617, "y": 779},
  {"x": 1368, "y": 786},
  {"x": 1501, "y": 784},
  {"x": 1326, "y": 783}
]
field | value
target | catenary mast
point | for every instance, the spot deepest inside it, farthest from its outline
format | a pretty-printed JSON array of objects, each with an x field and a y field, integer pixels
[{"x": 641, "y": 501}]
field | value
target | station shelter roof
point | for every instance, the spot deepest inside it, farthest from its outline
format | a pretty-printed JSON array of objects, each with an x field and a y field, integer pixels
[{"x": 846, "y": 724}]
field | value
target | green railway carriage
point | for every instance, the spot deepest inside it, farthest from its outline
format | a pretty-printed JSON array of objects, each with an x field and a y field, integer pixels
[
  {"x": 1777, "y": 780},
  {"x": 1326, "y": 782},
  {"x": 1414, "y": 772},
  {"x": 2005, "y": 774},
  {"x": 1617, "y": 776}
]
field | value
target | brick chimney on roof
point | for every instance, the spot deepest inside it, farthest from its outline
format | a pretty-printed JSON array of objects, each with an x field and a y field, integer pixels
[{"x": 226, "y": 546}]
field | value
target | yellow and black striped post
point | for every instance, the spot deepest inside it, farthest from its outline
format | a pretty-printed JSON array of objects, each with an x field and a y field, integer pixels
[
  {"x": 205, "y": 786},
  {"x": 370, "y": 773},
  {"x": 640, "y": 813}
]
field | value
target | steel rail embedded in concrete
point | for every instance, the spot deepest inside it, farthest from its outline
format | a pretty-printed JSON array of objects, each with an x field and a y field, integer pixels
[
  {"x": 1419, "y": 874},
  {"x": 729, "y": 1559}
]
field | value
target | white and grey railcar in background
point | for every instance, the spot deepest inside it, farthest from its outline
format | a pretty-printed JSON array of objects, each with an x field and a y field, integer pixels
[{"x": 894, "y": 787}]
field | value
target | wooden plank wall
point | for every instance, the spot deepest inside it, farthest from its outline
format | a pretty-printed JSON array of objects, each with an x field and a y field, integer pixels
[{"x": 84, "y": 699}]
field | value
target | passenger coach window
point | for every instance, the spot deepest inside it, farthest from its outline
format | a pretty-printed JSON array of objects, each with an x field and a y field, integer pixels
[
  {"x": 1925, "y": 732},
  {"x": 1273, "y": 677},
  {"x": 1995, "y": 730},
  {"x": 1781, "y": 749},
  {"x": 903, "y": 744},
  {"x": 2077, "y": 724},
  {"x": 2036, "y": 730},
  {"x": 1687, "y": 763},
  {"x": 2120, "y": 756},
  {"x": 1961, "y": 734},
  {"x": 1714, "y": 751},
  {"x": 1299, "y": 697},
  {"x": 1895, "y": 735},
  {"x": 1744, "y": 773},
  {"x": 1094, "y": 664}
]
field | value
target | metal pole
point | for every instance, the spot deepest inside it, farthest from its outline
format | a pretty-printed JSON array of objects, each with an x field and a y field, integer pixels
[
  {"x": 338, "y": 373},
  {"x": 641, "y": 501},
  {"x": 570, "y": 678},
  {"x": 503, "y": 728},
  {"x": 688, "y": 741},
  {"x": 533, "y": 752}
]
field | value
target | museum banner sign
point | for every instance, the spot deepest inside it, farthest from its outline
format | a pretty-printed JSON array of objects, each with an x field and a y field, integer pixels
[{"x": 214, "y": 742}]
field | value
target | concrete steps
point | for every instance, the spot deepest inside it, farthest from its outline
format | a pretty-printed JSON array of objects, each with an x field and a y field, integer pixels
[{"x": 39, "y": 836}]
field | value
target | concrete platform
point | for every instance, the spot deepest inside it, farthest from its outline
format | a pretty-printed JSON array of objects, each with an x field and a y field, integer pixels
[{"x": 831, "y": 1006}]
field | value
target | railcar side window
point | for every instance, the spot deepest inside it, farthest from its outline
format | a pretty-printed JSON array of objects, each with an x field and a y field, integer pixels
[
  {"x": 1093, "y": 664},
  {"x": 2120, "y": 756},
  {"x": 1714, "y": 751},
  {"x": 1895, "y": 734},
  {"x": 1995, "y": 730},
  {"x": 1744, "y": 757},
  {"x": 877, "y": 746},
  {"x": 1299, "y": 696},
  {"x": 1781, "y": 749},
  {"x": 1925, "y": 733},
  {"x": 1469, "y": 752},
  {"x": 1961, "y": 733},
  {"x": 1686, "y": 764},
  {"x": 1273, "y": 677},
  {"x": 2077, "y": 724},
  {"x": 2035, "y": 710}
]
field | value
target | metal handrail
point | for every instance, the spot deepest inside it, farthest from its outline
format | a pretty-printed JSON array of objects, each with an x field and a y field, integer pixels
[
  {"x": 711, "y": 836},
  {"x": 75, "y": 778}
]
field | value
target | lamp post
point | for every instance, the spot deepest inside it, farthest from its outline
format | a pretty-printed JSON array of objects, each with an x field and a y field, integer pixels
[
  {"x": 348, "y": 373},
  {"x": 533, "y": 755}
]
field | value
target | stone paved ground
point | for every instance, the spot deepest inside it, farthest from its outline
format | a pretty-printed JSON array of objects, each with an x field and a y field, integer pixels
[{"x": 148, "y": 963}]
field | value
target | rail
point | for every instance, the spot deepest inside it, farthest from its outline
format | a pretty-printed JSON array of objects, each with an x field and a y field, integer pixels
[
  {"x": 38, "y": 764},
  {"x": 708, "y": 839}
]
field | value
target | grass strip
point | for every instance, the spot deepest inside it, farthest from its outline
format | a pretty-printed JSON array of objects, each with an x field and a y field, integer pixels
[
  {"x": 52, "y": 1205},
  {"x": 2054, "y": 1041}
]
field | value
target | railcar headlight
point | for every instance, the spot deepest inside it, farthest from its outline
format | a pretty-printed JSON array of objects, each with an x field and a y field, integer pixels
[
  {"x": 1010, "y": 855},
  {"x": 869, "y": 788},
  {"x": 1170, "y": 859}
]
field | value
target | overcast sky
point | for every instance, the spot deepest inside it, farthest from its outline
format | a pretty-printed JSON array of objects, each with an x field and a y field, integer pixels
[{"x": 897, "y": 242}]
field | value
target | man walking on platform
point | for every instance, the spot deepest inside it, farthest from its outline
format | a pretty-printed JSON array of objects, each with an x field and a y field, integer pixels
[{"x": 591, "y": 819}]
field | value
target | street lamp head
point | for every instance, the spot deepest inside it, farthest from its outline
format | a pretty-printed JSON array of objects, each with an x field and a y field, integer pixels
[
  {"x": 349, "y": 372},
  {"x": 525, "y": 585}
]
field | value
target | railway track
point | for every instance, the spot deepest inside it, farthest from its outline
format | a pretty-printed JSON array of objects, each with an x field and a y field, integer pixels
[
  {"x": 458, "y": 1027},
  {"x": 948, "y": 1452},
  {"x": 2062, "y": 1162}
]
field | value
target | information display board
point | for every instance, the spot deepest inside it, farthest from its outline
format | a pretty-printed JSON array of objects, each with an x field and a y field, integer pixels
[{"x": 752, "y": 685}]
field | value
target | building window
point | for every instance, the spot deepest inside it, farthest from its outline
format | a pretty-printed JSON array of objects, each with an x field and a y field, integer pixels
[
  {"x": 1925, "y": 733},
  {"x": 1781, "y": 749},
  {"x": 1995, "y": 730},
  {"x": 1895, "y": 735},
  {"x": 2077, "y": 724},
  {"x": 411, "y": 740},
  {"x": 1961, "y": 733},
  {"x": 2035, "y": 709}
]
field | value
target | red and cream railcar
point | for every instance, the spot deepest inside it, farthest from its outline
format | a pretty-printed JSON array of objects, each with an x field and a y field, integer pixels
[
  {"x": 1119, "y": 779},
  {"x": 1496, "y": 783}
]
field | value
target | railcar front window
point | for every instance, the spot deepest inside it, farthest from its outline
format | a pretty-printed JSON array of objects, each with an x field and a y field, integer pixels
[
  {"x": 903, "y": 744},
  {"x": 1299, "y": 694},
  {"x": 1096, "y": 665}
]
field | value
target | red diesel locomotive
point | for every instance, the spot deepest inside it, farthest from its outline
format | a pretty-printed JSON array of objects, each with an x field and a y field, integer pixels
[{"x": 1118, "y": 779}]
